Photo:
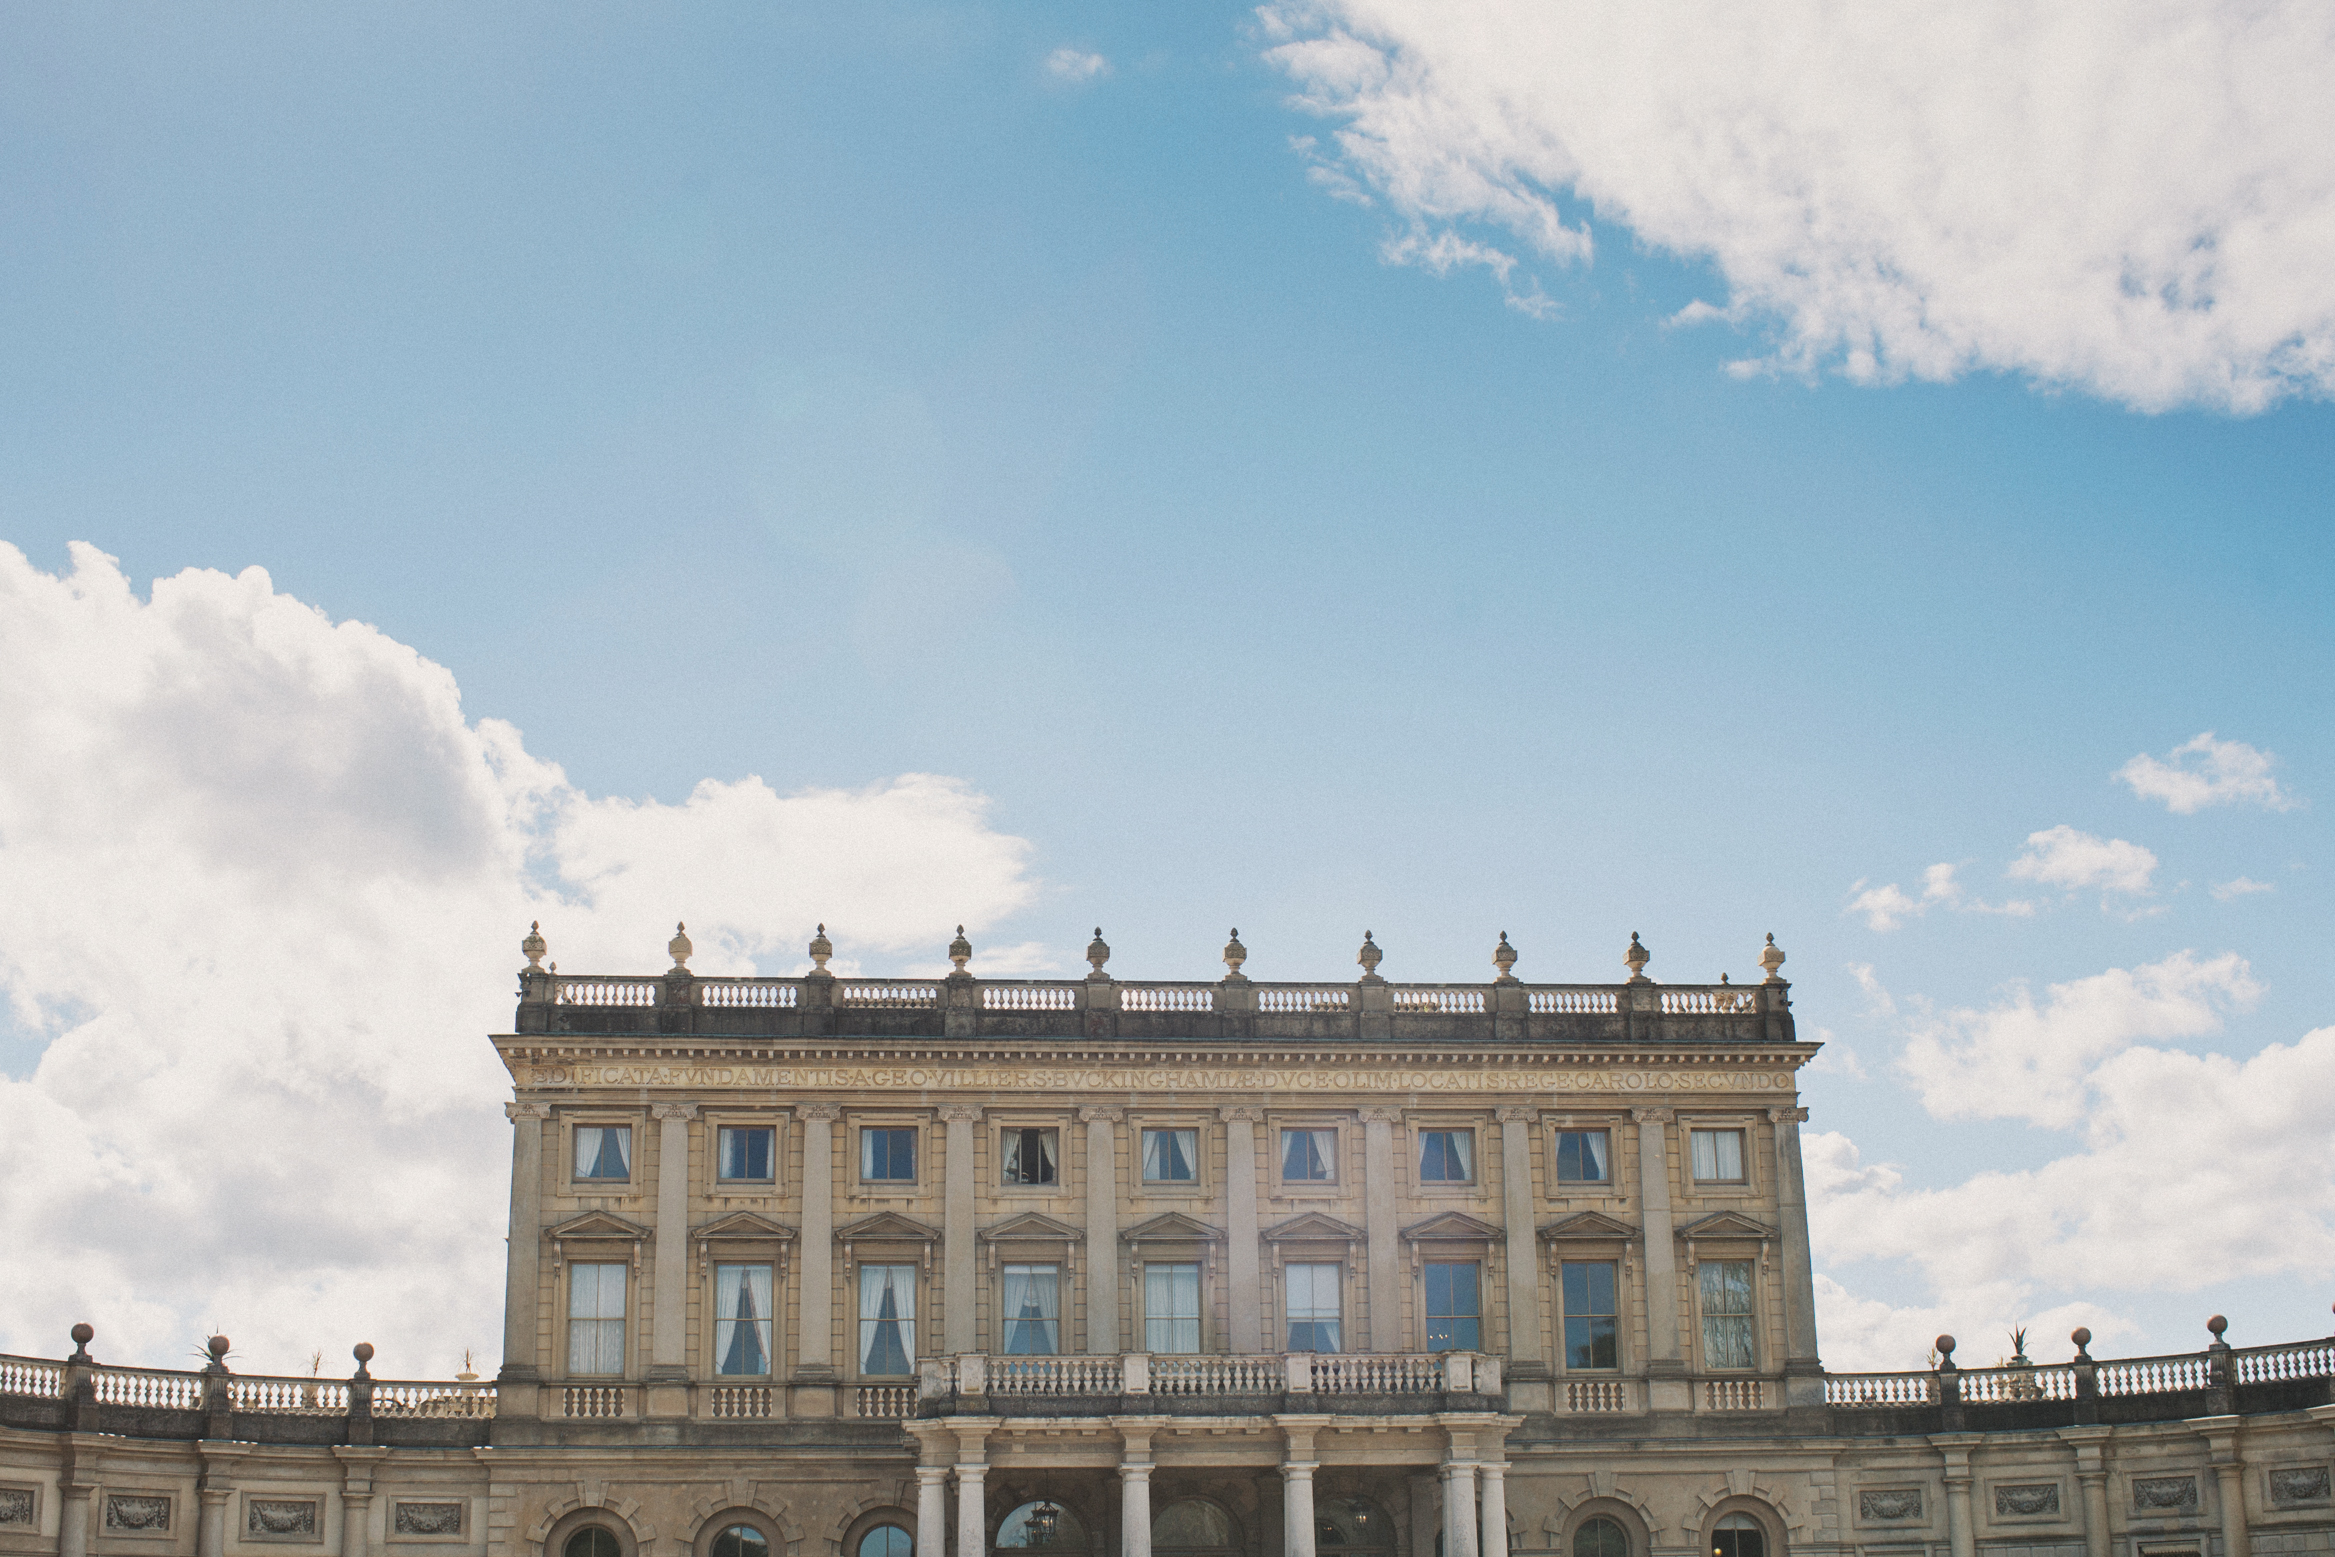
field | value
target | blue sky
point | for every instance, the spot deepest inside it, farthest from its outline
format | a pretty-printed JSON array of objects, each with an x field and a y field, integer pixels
[{"x": 828, "y": 395}]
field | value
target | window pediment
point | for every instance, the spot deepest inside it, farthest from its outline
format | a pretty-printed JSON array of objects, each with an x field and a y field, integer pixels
[
  {"x": 1172, "y": 1227},
  {"x": 1030, "y": 1226},
  {"x": 887, "y": 1227},
  {"x": 1582, "y": 1225},
  {"x": 1313, "y": 1227},
  {"x": 1452, "y": 1227},
  {"x": 596, "y": 1224},
  {"x": 1726, "y": 1224},
  {"x": 742, "y": 1225}
]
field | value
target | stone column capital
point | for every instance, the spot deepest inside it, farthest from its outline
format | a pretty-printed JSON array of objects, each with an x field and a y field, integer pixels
[
  {"x": 672, "y": 1110},
  {"x": 1102, "y": 1115},
  {"x": 1515, "y": 1113},
  {"x": 823, "y": 1113},
  {"x": 518, "y": 1111},
  {"x": 1788, "y": 1115},
  {"x": 1382, "y": 1115},
  {"x": 1242, "y": 1113},
  {"x": 960, "y": 1113},
  {"x": 1653, "y": 1115}
]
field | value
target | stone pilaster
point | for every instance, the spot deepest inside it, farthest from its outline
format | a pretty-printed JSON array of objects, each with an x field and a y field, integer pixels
[
  {"x": 1378, "y": 1225},
  {"x": 1520, "y": 1256},
  {"x": 1240, "y": 1229},
  {"x": 960, "y": 1262},
  {"x": 814, "y": 1341},
  {"x": 669, "y": 1331},
  {"x": 1666, "y": 1362},
  {"x": 1102, "y": 1230},
  {"x": 523, "y": 1259}
]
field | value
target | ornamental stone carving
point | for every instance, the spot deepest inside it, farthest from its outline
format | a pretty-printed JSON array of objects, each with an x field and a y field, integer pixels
[
  {"x": 428, "y": 1519},
  {"x": 2309, "y": 1484},
  {"x": 138, "y": 1515},
  {"x": 280, "y": 1519},
  {"x": 1891, "y": 1503},
  {"x": 2170, "y": 1494},
  {"x": 2028, "y": 1501},
  {"x": 16, "y": 1506}
]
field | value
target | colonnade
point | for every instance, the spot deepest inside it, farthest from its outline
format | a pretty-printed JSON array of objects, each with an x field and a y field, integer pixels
[{"x": 1473, "y": 1474}]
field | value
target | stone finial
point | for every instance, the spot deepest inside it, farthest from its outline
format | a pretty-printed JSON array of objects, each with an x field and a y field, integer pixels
[
  {"x": 1098, "y": 952},
  {"x": 534, "y": 947},
  {"x": 218, "y": 1346},
  {"x": 1771, "y": 957},
  {"x": 363, "y": 1352},
  {"x": 2217, "y": 1324},
  {"x": 1504, "y": 958},
  {"x": 679, "y": 946},
  {"x": 1945, "y": 1347},
  {"x": 960, "y": 950},
  {"x": 83, "y": 1334},
  {"x": 821, "y": 949},
  {"x": 1370, "y": 956},
  {"x": 1235, "y": 954},
  {"x": 2083, "y": 1338},
  {"x": 1637, "y": 957}
]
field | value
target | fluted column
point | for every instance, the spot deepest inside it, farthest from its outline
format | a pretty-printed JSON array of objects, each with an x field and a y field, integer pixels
[
  {"x": 1102, "y": 1232},
  {"x": 1240, "y": 1229},
  {"x": 1661, "y": 1255},
  {"x": 1521, "y": 1261},
  {"x": 1378, "y": 1226},
  {"x": 960, "y": 1266},
  {"x": 523, "y": 1254},
  {"x": 815, "y": 1341},
  {"x": 668, "y": 1334}
]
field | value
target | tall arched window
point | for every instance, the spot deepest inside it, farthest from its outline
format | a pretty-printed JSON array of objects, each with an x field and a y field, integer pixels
[
  {"x": 741, "y": 1541},
  {"x": 1601, "y": 1537},
  {"x": 1738, "y": 1535},
  {"x": 1039, "y": 1526},
  {"x": 886, "y": 1541},
  {"x": 592, "y": 1541},
  {"x": 1191, "y": 1525}
]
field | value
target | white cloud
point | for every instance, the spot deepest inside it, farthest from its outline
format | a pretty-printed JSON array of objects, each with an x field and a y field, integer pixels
[
  {"x": 2018, "y": 1059},
  {"x": 1069, "y": 64},
  {"x": 261, "y": 889},
  {"x": 2242, "y": 886},
  {"x": 2137, "y": 201},
  {"x": 1862, "y": 1333},
  {"x": 2205, "y": 772},
  {"x": 2063, "y": 857},
  {"x": 1885, "y": 908}
]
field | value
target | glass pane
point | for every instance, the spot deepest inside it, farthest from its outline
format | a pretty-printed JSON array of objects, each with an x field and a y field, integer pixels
[
  {"x": 592, "y": 1541},
  {"x": 745, "y": 1152},
  {"x": 885, "y": 1541},
  {"x": 741, "y": 1341},
  {"x": 1730, "y": 1143},
  {"x": 887, "y": 1318},
  {"x": 1600, "y": 1538},
  {"x": 1044, "y": 1524},
  {"x": 1581, "y": 1156},
  {"x": 1170, "y": 1156},
  {"x": 1030, "y": 1303},
  {"x": 1308, "y": 1156},
  {"x": 741, "y": 1541},
  {"x": 603, "y": 1151}
]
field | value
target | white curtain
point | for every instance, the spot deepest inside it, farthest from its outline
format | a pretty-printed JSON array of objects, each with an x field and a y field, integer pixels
[
  {"x": 1594, "y": 1144},
  {"x": 741, "y": 1331},
  {"x": 1167, "y": 1155},
  {"x": 1726, "y": 1303},
  {"x": 603, "y": 1151},
  {"x": 1171, "y": 1308},
  {"x": 596, "y": 1319},
  {"x": 1032, "y": 1307},
  {"x": 1718, "y": 1154},
  {"x": 887, "y": 1319}
]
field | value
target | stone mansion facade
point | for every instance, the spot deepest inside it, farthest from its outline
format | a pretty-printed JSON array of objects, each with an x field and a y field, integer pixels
[{"x": 842, "y": 1267}]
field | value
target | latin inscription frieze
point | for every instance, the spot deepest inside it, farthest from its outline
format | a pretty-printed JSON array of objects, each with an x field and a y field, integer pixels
[{"x": 1049, "y": 1078}]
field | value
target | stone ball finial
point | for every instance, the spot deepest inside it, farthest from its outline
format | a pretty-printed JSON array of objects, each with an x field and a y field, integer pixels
[
  {"x": 960, "y": 950},
  {"x": 218, "y": 1346},
  {"x": 83, "y": 1334},
  {"x": 534, "y": 946},
  {"x": 1945, "y": 1346},
  {"x": 1504, "y": 958},
  {"x": 2217, "y": 1324},
  {"x": 1370, "y": 956},
  {"x": 363, "y": 1352},
  {"x": 2082, "y": 1336},
  {"x": 821, "y": 949},
  {"x": 1098, "y": 952},
  {"x": 1636, "y": 958},
  {"x": 1235, "y": 954},
  {"x": 679, "y": 946},
  {"x": 1771, "y": 957}
]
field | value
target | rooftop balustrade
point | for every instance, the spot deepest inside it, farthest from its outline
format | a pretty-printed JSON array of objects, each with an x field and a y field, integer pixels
[{"x": 1098, "y": 1006}]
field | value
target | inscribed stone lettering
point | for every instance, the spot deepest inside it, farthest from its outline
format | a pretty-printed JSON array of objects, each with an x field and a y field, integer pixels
[
  {"x": 280, "y": 1518},
  {"x": 1891, "y": 1503},
  {"x": 429, "y": 1519},
  {"x": 2027, "y": 1501},
  {"x": 145, "y": 1516},
  {"x": 2174, "y": 1494},
  {"x": 1164, "y": 1079}
]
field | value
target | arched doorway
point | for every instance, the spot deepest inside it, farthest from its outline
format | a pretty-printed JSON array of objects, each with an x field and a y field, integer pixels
[
  {"x": 1041, "y": 1526},
  {"x": 1193, "y": 1527},
  {"x": 1351, "y": 1527}
]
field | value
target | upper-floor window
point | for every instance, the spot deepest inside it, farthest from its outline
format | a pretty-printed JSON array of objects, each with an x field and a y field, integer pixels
[
  {"x": 741, "y": 1327},
  {"x": 1584, "y": 1157},
  {"x": 1029, "y": 1156},
  {"x": 1171, "y": 1308},
  {"x": 1600, "y": 1537},
  {"x": 1726, "y": 1303},
  {"x": 596, "y": 1318},
  {"x": 604, "y": 1152},
  {"x": 887, "y": 1154},
  {"x": 1312, "y": 1294},
  {"x": 1586, "y": 1290},
  {"x": 887, "y": 1319},
  {"x": 1171, "y": 1156},
  {"x": 1032, "y": 1305},
  {"x": 1454, "y": 1314},
  {"x": 1447, "y": 1156},
  {"x": 744, "y": 1153},
  {"x": 1718, "y": 1156},
  {"x": 1309, "y": 1157}
]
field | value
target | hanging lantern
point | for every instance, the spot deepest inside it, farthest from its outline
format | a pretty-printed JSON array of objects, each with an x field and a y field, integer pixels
[{"x": 1045, "y": 1519}]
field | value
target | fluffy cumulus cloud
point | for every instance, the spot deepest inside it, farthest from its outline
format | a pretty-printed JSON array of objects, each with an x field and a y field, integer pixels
[
  {"x": 2204, "y": 772},
  {"x": 261, "y": 887},
  {"x": 2073, "y": 861},
  {"x": 2250, "y": 1192},
  {"x": 2135, "y": 200}
]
